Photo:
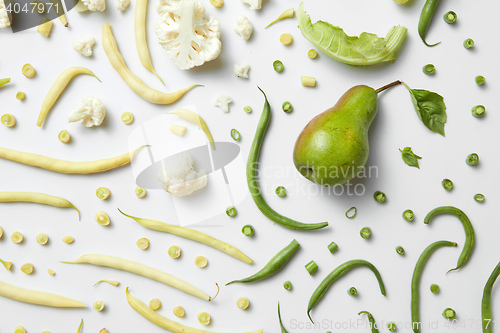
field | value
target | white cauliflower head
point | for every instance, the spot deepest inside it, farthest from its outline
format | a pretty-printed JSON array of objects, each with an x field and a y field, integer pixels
[
  {"x": 243, "y": 27},
  {"x": 242, "y": 70},
  {"x": 83, "y": 45},
  {"x": 4, "y": 16},
  {"x": 222, "y": 102},
  {"x": 122, "y": 5},
  {"x": 254, "y": 4},
  {"x": 94, "y": 5},
  {"x": 189, "y": 39},
  {"x": 91, "y": 112},
  {"x": 181, "y": 178}
]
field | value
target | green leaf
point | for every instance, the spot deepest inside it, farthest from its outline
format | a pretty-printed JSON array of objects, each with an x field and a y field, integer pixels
[
  {"x": 430, "y": 108},
  {"x": 409, "y": 157},
  {"x": 367, "y": 49}
]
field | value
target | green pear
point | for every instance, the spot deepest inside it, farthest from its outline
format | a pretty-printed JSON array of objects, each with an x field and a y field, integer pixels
[{"x": 333, "y": 147}]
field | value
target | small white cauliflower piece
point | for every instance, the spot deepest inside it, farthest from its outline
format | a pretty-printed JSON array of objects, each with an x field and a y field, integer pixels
[
  {"x": 94, "y": 5},
  {"x": 254, "y": 4},
  {"x": 122, "y": 5},
  {"x": 243, "y": 27},
  {"x": 181, "y": 178},
  {"x": 83, "y": 45},
  {"x": 4, "y": 16},
  {"x": 91, "y": 112},
  {"x": 222, "y": 101},
  {"x": 242, "y": 70},
  {"x": 189, "y": 39}
]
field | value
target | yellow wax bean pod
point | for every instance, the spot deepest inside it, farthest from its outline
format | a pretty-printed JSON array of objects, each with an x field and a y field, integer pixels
[
  {"x": 37, "y": 297},
  {"x": 39, "y": 198}
]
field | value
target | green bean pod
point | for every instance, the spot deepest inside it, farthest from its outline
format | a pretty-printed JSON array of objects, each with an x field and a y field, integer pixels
[
  {"x": 469, "y": 231},
  {"x": 486, "y": 301},
  {"x": 373, "y": 325},
  {"x": 335, "y": 275},
  {"x": 415, "y": 282},
  {"x": 425, "y": 19},
  {"x": 253, "y": 182},
  {"x": 274, "y": 265}
]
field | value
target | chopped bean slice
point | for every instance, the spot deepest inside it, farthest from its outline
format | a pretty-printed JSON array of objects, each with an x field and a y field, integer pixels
[
  {"x": 204, "y": 318},
  {"x": 312, "y": 267},
  {"x": 243, "y": 303},
  {"x": 353, "y": 214},
  {"x": 287, "y": 285},
  {"x": 379, "y": 196},
  {"x": 17, "y": 237},
  {"x": 103, "y": 193},
  {"x": 231, "y": 211},
  {"x": 434, "y": 288},
  {"x": 408, "y": 215},
  {"x": 142, "y": 243},
  {"x": 179, "y": 311},
  {"x": 248, "y": 230},
  {"x": 447, "y": 184},
  {"x": 365, "y": 233},
  {"x": 42, "y": 238},
  {"x": 333, "y": 247},
  {"x": 98, "y": 306},
  {"x": 201, "y": 261},
  {"x": 19, "y": 329},
  {"x": 28, "y": 71},
  {"x": 155, "y": 304},
  {"x": 247, "y": 109},
  {"x": 127, "y": 118},
  {"x": 312, "y": 54},
  {"x": 280, "y": 191},
  {"x": 308, "y": 81},
  {"x": 174, "y": 251},
  {"x": 102, "y": 218},
  {"x": 286, "y": 38},
  {"x": 64, "y": 136},
  {"x": 68, "y": 239},
  {"x": 140, "y": 192},
  {"x": 6, "y": 264},
  {"x": 51, "y": 272},
  {"x": 479, "y": 197},
  {"x": 217, "y": 3},
  {"x": 8, "y": 120},
  {"x": 27, "y": 268},
  {"x": 20, "y": 96},
  {"x": 478, "y": 111}
]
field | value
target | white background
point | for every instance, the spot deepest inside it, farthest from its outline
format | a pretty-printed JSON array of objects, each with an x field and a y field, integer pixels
[{"x": 396, "y": 126}]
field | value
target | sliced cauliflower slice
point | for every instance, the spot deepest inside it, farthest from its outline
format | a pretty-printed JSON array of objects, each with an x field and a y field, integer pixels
[
  {"x": 254, "y": 4},
  {"x": 4, "y": 16},
  {"x": 122, "y": 5},
  {"x": 83, "y": 45},
  {"x": 189, "y": 39},
  {"x": 223, "y": 101},
  {"x": 91, "y": 112},
  {"x": 242, "y": 70},
  {"x": 181, "y": 178},
  {"x": 243, "y": 27}
]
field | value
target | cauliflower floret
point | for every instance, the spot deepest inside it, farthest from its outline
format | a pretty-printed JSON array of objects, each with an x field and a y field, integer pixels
[
  {"x": 188, "y": 38},
  {"x": 222, "y": 101},
  {"x": 254, "y": 4},
  {"x": 243, "y": 27},
  {"x": 242, "y": 70},
  {"x": 181, "y": 178},
  {"x": 83, "y": 45},
  {"x": 4, "y": 16},
  {"x": 94, "y": 5},
  {"x": 122, "y": 5},
  {"x": 91, "y": 112}
]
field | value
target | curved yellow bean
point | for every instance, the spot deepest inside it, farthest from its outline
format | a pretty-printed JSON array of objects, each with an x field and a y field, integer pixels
[
  {"x": 58, "y": 88},
  {"x": 161, "y": 321},
  {"x": 38, "y": 297},
  {"x": 63, "y": 166},
  {"x": 111, "y": 282},
  {"x": 195, "y": 119},
  {"x": 194, "y": 235},
  {"x": 133, "y": 82},
  {"x": 139, "y": 269},
  {"x": 40, "y": 198},
  {"x": 141, "y": 40}
]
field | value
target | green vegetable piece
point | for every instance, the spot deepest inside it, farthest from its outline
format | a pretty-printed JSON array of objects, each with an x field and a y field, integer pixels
[
  {"x": 4, "y": 81},
  {"x": 280, "y": 191},
  {"x": 409, "y": 157},
  {"x": 430, "y": 108},
  {"x": 449, "y": 314},
  {"x": 333, "y": 247},
  {"x": 478, "y": 111},
  {"x": 480, "y": 80},
  {"x": 367, "y": 49},
  {"x": 352, "y": 291},
  {"x": 335, "y": 275},
  {"x": 311, "y": 267},
  {"x": 450, "y": 17},
  {"x": 468, "y": 43},
  {"x": 248, "y": 230},
  {"x": 353, "y": 215},
  {"x": 365, "y": 233},
  {"x": 487, "y": 321},
  {"x": 231, "y": 211},
  {"x": 400, "y": 250},
  {"x": 287, "y": 107},
  {"x": 371, "y": 320},
  {"x": 472, "y": 159},
  {"x": 391, "y": 326},
  {"x": 379, "y": 196},
  {"x": 283, "y": 330},
  {"x": 235, "y": 135},
  {"x": 479, "y": 198},
  {"x": 447, "y": 184},
  {"x": 287, "y": 285},
  {"x": 434, "y": 288},
  {"x": 247, "y": 109},
  {"x": 408, "y": 215},
  {"x": 415, "y": 282},
  {"x": 274, "y": 265},
  {"x": 425, "y": 19},
  {"x": 469, "y": 231},
  {"x": 278, "y": 66},
  {"x": 429, "y": 69}
]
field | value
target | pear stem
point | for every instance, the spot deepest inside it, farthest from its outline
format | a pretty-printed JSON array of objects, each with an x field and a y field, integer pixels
[{"x": 390, "y": 85}]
